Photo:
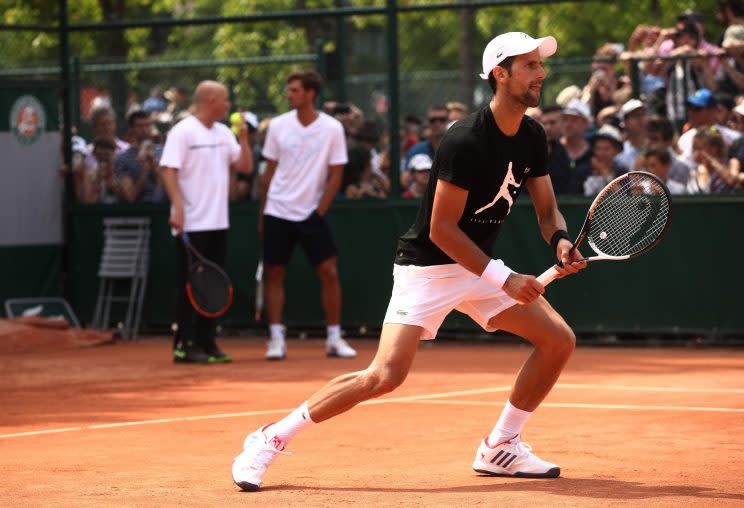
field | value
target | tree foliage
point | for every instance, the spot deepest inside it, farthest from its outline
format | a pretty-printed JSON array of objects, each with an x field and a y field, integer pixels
[{"x": 428, "y": 40}]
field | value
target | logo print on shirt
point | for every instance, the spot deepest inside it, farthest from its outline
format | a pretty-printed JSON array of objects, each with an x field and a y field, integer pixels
[
  {"x": 301, "y": 148},
  {"x": 504, "y": 191}
]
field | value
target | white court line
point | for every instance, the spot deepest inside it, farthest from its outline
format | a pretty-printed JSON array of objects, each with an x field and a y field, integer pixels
[
  {"x": 587, "y": 406},
  {"x": 424, "y": 398},
  {"x": 247, "y": 413},
  {"x": 145, "y": 422},
  {"x": 437, "y": 395},
  {"x": 649, "y": 388}
]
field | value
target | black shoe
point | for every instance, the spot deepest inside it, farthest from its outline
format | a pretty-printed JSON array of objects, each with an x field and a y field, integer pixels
[
  {"x": 216, "y": 355},
  {"x": 190, "y": 354}
]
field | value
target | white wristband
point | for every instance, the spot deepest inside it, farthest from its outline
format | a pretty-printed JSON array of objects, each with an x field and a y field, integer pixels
[{"x": 496, "y": 273}]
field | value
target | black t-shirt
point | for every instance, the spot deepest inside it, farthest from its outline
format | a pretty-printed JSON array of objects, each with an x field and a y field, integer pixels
[{"x": 476, "y": 156}]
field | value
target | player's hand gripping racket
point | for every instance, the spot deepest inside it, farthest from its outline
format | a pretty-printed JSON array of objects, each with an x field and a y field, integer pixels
[
  {"x": 628, "y": 217},
  {"x": 208, "y": 287}
]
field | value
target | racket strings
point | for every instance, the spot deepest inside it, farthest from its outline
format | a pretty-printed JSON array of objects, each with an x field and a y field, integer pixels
[
  {"x": 210, "y": 287},
  {"x": 630, "y": 216}
]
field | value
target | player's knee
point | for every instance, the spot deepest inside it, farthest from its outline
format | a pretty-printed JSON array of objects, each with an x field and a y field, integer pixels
[
  {"x": 327, "y": 272},
  {"x": 384, "y": 380},
  {"x": 565, "y": 341}
]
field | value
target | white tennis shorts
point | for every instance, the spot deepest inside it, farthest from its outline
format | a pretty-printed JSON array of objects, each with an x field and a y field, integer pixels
[{"x": 424, "y": 295}]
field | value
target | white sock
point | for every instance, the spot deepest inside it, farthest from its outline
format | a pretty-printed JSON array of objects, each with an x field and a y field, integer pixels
[
  {"x": 286, "y": 428},
  {"x": 276, "y": 331},
  {"x": 509, "y": 425},
  {"x": 333, "y": 332}
]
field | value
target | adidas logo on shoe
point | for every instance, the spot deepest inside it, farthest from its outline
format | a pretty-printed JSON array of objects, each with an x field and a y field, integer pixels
[{"x": 512, "y": 458}]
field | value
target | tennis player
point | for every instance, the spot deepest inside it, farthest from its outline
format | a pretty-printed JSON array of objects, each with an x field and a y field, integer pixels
[
  {"x": 443, "y": 263},
  {"x": 195, "y": 167}
]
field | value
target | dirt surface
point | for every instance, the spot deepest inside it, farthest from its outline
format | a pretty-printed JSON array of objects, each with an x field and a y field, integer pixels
[
  {"x": 120, "y": 425},
  {"x": 30, "y": 334}
]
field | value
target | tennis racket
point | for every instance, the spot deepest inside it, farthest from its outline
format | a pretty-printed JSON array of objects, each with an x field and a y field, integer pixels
[
  {"x": 208, "y": 287},
  {"x": 628, "y": 217}
]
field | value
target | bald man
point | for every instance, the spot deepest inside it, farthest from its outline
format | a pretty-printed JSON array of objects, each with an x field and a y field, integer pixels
[{"x": 195, "y": 167}]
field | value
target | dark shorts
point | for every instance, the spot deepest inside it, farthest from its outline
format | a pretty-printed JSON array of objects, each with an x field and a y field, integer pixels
[{"x": 314, "y": 234}]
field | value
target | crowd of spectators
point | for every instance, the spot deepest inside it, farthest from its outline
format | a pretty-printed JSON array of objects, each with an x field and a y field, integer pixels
[{"x": 686, "y": 125}]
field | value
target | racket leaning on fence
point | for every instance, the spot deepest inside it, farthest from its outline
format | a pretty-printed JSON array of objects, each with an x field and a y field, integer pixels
[
  {"x": 628, "y": 217},
  {"x": 208, "y": 287}
]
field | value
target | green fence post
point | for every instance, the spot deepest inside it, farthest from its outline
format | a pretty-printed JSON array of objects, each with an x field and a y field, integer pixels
[
  {"x": 75, "y": 90},
  {"x": 635, "y": 77},
  {"x": 340, "y": 61},
  {"x": 321, "y": 68},
  {"x": 64, "y": 64},
  {"x": 231, "y": 93},
  {"x": 394, "y": 112}
]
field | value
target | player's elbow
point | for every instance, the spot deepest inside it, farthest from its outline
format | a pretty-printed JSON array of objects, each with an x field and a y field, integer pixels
[
  {"x": 438, "y": 233},
  {"x": 444, "y": 236}
]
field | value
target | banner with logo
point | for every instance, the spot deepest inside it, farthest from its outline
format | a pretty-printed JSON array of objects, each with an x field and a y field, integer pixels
[
  {"x": 31, "y": 189},
  {"x": 31, "y": 192}
]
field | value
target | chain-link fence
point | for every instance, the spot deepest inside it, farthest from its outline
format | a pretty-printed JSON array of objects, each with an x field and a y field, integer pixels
[{"x": 431, "y": 50}]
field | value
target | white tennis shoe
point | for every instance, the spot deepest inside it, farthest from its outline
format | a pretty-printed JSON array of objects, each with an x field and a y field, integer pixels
[
  {"x": 339, "y": 348},
  {"x": 512, "y": 458},
  {"x": 277, "y": 349},
  {"x": 259, "y": 451}
]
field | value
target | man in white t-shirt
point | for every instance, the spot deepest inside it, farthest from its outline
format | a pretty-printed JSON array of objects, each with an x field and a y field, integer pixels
[
  {"x": 195, "y": 166},
  {"x": 306, "y": 154}
]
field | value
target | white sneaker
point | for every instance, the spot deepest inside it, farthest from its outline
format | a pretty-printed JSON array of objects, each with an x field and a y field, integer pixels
[
  {"x": 277, "y": 349},
  {"x": 512, "y": 458},
  {"x": 339, "y": 348},
  {"x": 249, "y": 468}
]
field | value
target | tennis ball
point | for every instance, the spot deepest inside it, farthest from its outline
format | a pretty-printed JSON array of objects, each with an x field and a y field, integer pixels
[
  {"x": 235, "y": 120},
  {"x": 603, "y": 235}
]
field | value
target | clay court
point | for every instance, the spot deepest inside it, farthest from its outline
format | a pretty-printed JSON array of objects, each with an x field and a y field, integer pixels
[{"x": 119, "y": 425}]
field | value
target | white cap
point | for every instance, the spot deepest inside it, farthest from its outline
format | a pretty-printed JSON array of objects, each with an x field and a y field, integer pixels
[
  {"x": 251, "y": 119},
  {"x": 568, "y": 93},
  {"x": 577, "y": 107},
  {"x": 512, "y": 44},
  {"x": 631, "y": 106},
  {"x": 607, "y": 131},
  {"x": 420, "y": 162},
  {"x": 78, "y": 144}
]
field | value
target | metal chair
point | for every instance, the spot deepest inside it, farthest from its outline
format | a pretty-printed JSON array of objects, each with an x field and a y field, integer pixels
[{"x": 124, "y": 261}]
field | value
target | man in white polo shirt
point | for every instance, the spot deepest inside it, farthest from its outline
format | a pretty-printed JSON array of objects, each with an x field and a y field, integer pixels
[
  {"x": 195, "y": 166},
  {"x": 306, "y": 154}
]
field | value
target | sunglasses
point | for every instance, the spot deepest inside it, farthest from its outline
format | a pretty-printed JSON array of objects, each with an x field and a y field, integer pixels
[{"x": 433, "y": 119}]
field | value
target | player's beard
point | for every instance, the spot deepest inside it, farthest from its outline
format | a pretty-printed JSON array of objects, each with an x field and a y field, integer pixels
[{"x": 530, "y": 98}]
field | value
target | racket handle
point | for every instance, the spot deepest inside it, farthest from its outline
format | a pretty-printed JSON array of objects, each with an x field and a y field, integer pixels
[{"x": 547, "y": 276}]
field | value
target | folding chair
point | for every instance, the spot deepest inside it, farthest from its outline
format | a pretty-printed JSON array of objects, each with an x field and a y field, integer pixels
[{"x": 124, "y": 261}]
